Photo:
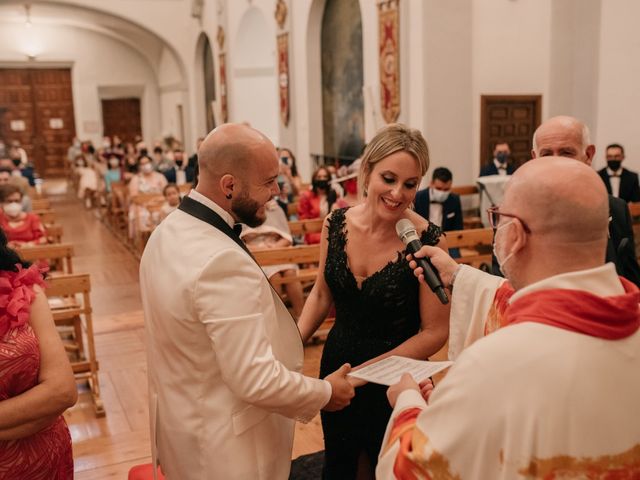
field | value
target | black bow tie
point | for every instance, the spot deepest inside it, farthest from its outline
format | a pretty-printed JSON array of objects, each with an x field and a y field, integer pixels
[{"x": 237, "y": 228}]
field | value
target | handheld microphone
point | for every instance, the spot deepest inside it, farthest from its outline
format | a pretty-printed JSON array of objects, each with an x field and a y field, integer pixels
[{"x": 407, "y": 233}]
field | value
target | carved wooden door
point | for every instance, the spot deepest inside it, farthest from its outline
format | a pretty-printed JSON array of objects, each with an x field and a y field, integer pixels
[{"x": 511, "y": 119}]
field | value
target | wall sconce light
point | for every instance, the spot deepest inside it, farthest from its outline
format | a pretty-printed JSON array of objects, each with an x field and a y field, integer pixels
[{"x": 27, "y": 11}]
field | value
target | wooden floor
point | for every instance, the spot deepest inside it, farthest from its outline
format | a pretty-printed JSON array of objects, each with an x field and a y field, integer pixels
[{"x": 108, "y": 447}]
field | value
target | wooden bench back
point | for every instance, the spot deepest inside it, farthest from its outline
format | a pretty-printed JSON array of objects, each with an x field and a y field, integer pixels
[
  {"x": 46, "y": 216},
  {"x": 54, "y": 233},
  {"x": 52, "y": 253},
  {"x": 471, "y": 238},
  {"x": 277, "y": 256},
  {"x": 465, "y": 190},
  {"x": 40, "y": 204},
  {"x": 69, "y": 285},
  {"x": 301, "y": 227}
]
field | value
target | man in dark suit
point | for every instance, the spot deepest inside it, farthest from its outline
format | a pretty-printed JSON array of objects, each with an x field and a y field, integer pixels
[
  {"x": 620, "y": 182},
  {"x": 499, "y": 164},
  {"x": 565, "y": 136},
  {"x": 181, "y": 172},
  {"x": 438, "y": 205}
]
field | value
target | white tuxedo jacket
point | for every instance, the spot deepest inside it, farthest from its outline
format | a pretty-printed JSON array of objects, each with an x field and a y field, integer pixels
[{"x": 223, "y": 358}]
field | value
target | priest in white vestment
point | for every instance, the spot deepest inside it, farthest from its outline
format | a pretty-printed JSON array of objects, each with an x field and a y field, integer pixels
[{"x": 554, "y": 393}]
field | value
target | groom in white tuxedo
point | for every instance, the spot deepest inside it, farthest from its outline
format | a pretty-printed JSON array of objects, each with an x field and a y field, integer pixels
[{"x": 224, "y": 354}]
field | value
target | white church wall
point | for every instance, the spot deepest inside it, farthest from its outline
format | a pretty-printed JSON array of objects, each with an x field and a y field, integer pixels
[
  {"x": 510, "y": 55},
  {"x": 252, "y": 69},
  {"x": 618, "y": 94},
  {"x": 97, "y": 61}
]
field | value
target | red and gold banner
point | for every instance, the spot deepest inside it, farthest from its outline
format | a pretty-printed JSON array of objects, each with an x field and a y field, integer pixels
[
  {"x": 389, "y": 44},
  {"x": 283, "y": 76},
  {"x": 224, "y": 111}
]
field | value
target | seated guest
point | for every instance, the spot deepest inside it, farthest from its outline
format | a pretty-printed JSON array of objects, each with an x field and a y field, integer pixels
[
  {"x": 161, "y": 162},
  {"x": 193, "y": 159},
  {"x": 147, "y": 180},
  {"x": 284, "y": 198},
  {"x": 499, "y": 164},
  {"x": 37, "y": 383},
  {"x": 317, "y": 202},
  {"x": 87, "y": 180},
  {"x": 113, "y": 174},
  {"x": 16, "y": 175},
  {"x": 520, "y": 392},
  {"x": 172, "y": 198},
  {"x": 7, "y": 178},
  {"x": 620, "y": 182},
  {"x": 18, "y": 155},
  {"x": 350, "y": 187},
  {"x": 275, "y": 233},
  {"x": 438, "y": 205},
  {"x": 180, "y": 172},
  {"x": 20, "y": 227},
  {"x": 289, "y": 171}
]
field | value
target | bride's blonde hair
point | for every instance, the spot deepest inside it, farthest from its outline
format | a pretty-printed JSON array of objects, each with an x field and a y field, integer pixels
[{"x": 395, "y": 137}]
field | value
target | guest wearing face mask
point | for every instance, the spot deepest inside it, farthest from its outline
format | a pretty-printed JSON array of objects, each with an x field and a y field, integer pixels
[
  {"x": 180, "y": 172},
  {"x": 146, "y": 180},
  {"x": 317, "y": 201},
  {"x": 113, "y": 174},
  {"x": 499, "y": 165},
  {"x": 620, "y": 182},
  {"x": 21, "y": 228},
  {"x": 161, "y": 161},
  {"x": 438, "y": 205}
]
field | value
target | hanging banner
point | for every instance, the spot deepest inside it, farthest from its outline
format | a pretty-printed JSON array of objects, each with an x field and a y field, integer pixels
[
  {"x": 224, "y": 112},
  {"x": 283, "y": 76},
  {"x": 389, "y": 45}
]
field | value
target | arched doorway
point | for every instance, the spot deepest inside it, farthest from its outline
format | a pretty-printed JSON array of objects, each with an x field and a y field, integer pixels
[
  {"x": 206, "y": 83},
  {"x": 342, "y": 79},
  {"x": 255, "y": 81}
]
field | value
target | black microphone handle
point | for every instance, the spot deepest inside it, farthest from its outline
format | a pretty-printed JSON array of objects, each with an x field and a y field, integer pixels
[{"x": 429, "y": 272}]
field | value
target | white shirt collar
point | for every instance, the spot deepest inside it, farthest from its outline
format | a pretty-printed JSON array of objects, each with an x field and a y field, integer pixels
[
  {"x": 602, "y": 281},
  {"x": 206, "y": 201},
  {"x": 611, "y": 173}
]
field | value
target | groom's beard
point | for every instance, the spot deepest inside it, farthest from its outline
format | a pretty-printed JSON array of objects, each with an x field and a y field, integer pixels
[{"x": 248, "y": 211}]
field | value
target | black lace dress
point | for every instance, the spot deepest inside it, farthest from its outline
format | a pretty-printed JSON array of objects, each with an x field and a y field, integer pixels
[{"x": 370, "y": 320}]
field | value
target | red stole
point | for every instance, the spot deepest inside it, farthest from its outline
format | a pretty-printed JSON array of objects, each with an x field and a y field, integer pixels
[{"x": 610, "y": 318}]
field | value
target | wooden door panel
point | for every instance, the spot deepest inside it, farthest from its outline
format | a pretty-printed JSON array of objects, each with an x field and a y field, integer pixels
[
  {"x": 16, "y": 101},
  {"x": 511, "y": 119},
  {"x": 121, "y": 117},
  {"x": 56, "y": 125},
  {"x": 36, "y": 96}
]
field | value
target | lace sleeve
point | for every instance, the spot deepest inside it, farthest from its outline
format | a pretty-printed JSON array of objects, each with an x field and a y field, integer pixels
[{"x": 431, "y": 236}]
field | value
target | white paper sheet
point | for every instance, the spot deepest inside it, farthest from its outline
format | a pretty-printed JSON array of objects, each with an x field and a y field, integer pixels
[{"x": 389, "y": 370}]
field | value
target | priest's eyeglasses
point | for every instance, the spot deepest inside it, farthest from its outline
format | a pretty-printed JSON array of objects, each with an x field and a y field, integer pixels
[{"x": 494, "y": 215}]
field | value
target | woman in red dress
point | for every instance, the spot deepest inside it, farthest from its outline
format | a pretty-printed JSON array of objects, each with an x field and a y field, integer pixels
[
  {"x": 21, "y": 228},
  {"x": 36, "y": 380},
  {"x": 318, "y": 201}
]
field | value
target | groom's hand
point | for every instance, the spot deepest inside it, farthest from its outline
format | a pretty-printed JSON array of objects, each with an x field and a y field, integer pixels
[{"x": 341, "y": 390}]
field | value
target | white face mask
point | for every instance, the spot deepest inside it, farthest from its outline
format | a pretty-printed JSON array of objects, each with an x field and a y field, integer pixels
[
  {"x": 436, "y": 195},
  {"x": 12, "y": 209},
  {"x": 146, "y": 168},
  {"x": 501, "y": 262}
]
